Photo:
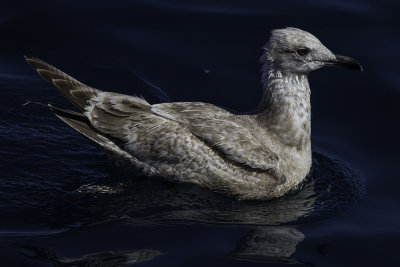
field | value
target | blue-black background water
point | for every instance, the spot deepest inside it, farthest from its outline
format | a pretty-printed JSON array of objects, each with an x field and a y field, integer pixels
[{"x": 63, "y": 202}]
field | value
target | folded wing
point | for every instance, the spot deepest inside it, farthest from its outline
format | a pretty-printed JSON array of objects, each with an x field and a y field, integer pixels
[{"x": 231, "y": 135}]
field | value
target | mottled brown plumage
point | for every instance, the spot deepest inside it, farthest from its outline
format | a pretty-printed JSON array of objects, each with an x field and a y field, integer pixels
[{"x": 257, "y": 156}]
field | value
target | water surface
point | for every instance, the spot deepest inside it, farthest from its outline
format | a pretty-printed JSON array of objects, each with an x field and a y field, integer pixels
[{"x": 62, "y": 202}]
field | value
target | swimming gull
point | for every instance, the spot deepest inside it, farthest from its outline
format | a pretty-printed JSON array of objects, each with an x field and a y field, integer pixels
[{"x": 252, "y": 156}]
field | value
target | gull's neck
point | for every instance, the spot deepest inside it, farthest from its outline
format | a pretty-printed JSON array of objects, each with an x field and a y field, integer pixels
[{"x": 285, "y": 108}]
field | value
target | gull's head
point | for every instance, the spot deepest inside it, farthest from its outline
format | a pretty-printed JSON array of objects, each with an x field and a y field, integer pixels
[{"x": 297, "y": 51}]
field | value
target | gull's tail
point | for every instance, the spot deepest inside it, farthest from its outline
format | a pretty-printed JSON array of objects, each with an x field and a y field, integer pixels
[
  {"x": 78, "y": 94},
  {"x": 73, "y": 90}
]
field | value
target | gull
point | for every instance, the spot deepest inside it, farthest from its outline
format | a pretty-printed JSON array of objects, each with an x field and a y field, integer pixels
[{"x": 261, "y": 155}]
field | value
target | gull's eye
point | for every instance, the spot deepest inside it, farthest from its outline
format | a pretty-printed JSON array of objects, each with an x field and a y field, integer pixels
[{"x": 303, "y": 51}]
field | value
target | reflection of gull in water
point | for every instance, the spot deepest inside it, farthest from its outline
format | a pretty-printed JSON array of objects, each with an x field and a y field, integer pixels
[
  {"x": 269, "y": 244},
  {"x": 331, "y": 188},
  {"x": 105, "y": 258},
  {"x": 257, "y": 156}
]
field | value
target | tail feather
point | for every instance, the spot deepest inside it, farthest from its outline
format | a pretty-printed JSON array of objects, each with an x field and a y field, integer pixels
[
  {"x": 78, "y": 94},
  {"x": 73, "y": 90}
]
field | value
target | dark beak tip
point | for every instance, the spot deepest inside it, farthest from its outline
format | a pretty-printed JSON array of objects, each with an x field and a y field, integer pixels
[
  {"x": 347, "y": 62},
  {"x": 356, "y": 67}
]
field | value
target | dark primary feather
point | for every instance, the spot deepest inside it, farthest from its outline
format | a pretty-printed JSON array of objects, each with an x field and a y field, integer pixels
[{"x": 81, "y": 124}]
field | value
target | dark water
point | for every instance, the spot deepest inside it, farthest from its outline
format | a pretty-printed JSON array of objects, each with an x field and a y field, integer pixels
[{"x": 63, "y": 203}]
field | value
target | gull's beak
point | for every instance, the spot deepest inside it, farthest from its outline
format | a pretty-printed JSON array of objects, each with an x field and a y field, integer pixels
[{"x": 345, "y": 62}]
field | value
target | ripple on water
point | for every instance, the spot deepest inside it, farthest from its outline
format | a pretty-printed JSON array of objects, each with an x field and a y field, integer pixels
[{"x": 330, "y": 189}]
